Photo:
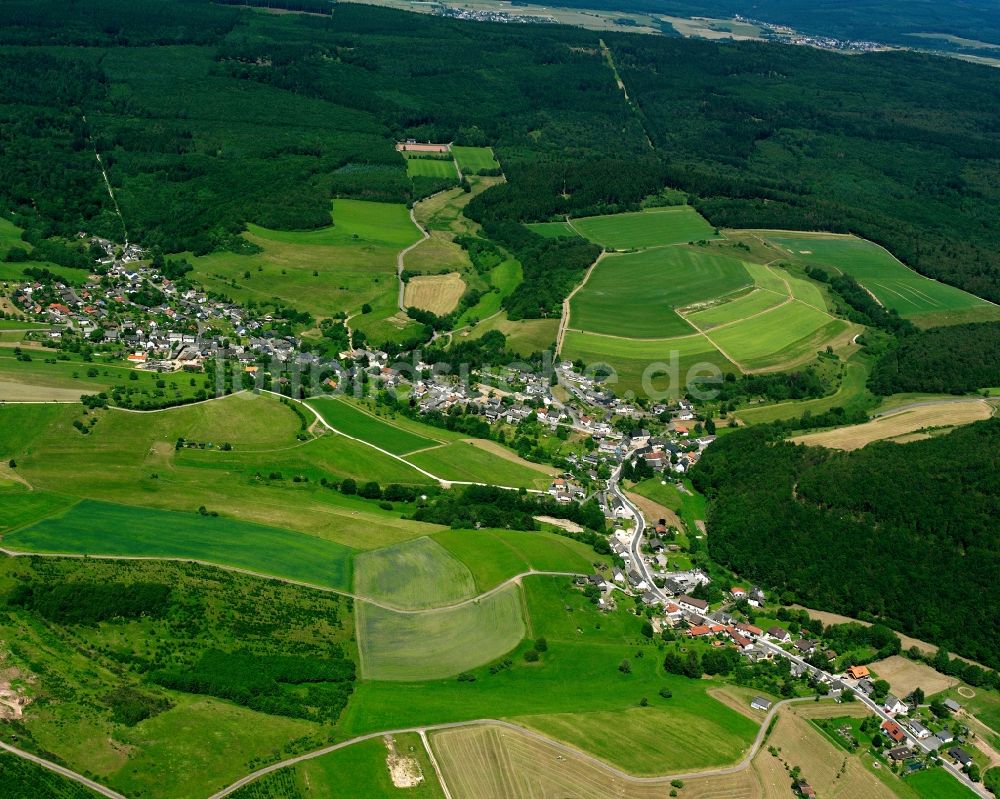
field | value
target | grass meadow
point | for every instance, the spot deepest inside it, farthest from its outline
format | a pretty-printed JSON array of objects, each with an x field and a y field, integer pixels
[
  {"x": 335, "y": 268},
  {"x": 503, "y": 279},
  {"x": 754, "y": 302},
  {"x": 431, "y": 168},
  {"x": 895, "y": 285},
  {"x": 553, "y": 230},
  {"x": 413, "y": 575},
  {"x": 653, "y": 227},
  {"x": 524, "y": 336},
  {"x": 635, "y": 295},
  {"x": 472, "y": 159},
  {"x": 575, "y": 690},
  {"x": 434, "y": 644},
  {"x": 465, "y": 461},
  {"x": 355, "y": 422},
  {"x": 369, "y": 775},
  {"x": 631, "y": 357},
  {"x": 771, "y": 337},
  {"x": 936, "y": 783},
  {"x": 101, "y": 528},
  {"x": 131, "y": 459},
  {"x": 493, "y": 556}
]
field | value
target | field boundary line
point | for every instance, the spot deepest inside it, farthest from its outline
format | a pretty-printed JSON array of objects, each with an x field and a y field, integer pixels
[
  {"x": 401, "y": 255},
  {"x": 388, "y": 606},
  {"x": 527, "y": 731},
  {"x": 62, "y": 771},
  {"x": 434, "y": 764},
  {"x": 390, "y": 424}
]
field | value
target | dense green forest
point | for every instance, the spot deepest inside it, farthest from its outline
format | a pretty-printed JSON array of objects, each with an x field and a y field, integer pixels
[
  {"x": 954, "y": 360},
  {"x": 897, "y": 147},
  {"x": 905, "y": 533},
  {"x": 209, "y": 116}
]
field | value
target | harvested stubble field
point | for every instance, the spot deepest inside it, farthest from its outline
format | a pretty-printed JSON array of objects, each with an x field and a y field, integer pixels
[
  {"x": 904, "y": 675},
  {"x": 947, "y": 413},
  {"x": 438, "y": 294}
]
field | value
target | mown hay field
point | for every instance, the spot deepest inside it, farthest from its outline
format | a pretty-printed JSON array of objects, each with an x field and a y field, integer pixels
[
  {"x": 415, "y": 574},
  {"x": 636, "y": 294},
  {"x": 947, "y": 413},
  {"x": 433, "y": 644},
  {"x": 438, "y": 294}
]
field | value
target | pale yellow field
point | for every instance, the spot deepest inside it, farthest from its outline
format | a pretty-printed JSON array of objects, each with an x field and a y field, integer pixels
[
  {"x": 821, "y": 762},
  {"x": 492, "y": 762},
  {"x": 905, "y": 675},
  {"x": 903, "y": 423},
  {"x": 11, "y": 391},
  {"x": 435, "y": 293}
]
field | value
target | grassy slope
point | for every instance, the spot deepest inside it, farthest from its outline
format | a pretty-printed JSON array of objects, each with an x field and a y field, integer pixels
[
  {"x": 416, "y": 574},
  {"x": 650, "y": 228},
  {"x": 524, "y": 336},
  {"x": 631, "y": 357},
  {"x": 758, "y": 340},
  {"x": 100, "y": 528},
  {"x": 438, "y": 643},
  {"x": 369, "y": 775},
  {"x": 577, "y": 675},
  {"x": 461, "y": 460},
  {"x": 354, "y": 422},
  {"x": 635, "y": 294},
  {"x": 895, "y": 285},
  {"x": 130, "y": 458},
  {"x": 496, "y": 555},
  {"x": 354, "y": 260},
  {"x": 552, "y": 230}
]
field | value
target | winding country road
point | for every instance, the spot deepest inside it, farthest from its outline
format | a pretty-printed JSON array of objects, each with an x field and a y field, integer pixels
[{"x": 61, "y": 770}]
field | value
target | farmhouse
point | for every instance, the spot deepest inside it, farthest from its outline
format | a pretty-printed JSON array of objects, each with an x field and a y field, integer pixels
[
  {"x": 743, "y": 644},
  {"x": 959, "y": 755},
  {"x": 760, "y": 703},
  {"x": 857, "y": 672},
  {"x": 738, "y": 592},
  {"x": 805, "y": 646}
]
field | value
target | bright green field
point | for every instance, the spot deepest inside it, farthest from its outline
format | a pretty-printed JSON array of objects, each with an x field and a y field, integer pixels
[
  {"x": 369, "y": 778},
  {"x": 431, "y": 168},
  {"x": 353, "y": 422},
  {"x": 467, "y": 462},
  {"x": 739, "y": 308},
  {"x": 503, "y": 278},
  {"x": 438, "y": 643},
  {"x": 335, "y": 268},
  {"x": 936, "y": 783},
  {"x": 472, "y": 159},
  {"x": 774, "y": 336},
  {"x": 574, "y": 690},
  {"x": 416, "y": 574},
  {"x": 895, "y": 285},
  {"x": 19, "y": 506},
  {"x": 130, "y": 459},
  {"x": 635, "y": 295},
  {"x": 552, "y": 230},
  {"x": 653, "y": 227},
  {"x": 497, "y": 555},
  {"x": 101, "y": 528},
  {"x": 631, "y": 357}
]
